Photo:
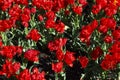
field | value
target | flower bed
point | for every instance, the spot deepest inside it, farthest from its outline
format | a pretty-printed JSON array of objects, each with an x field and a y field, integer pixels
[{"x": 59, "y": 39}]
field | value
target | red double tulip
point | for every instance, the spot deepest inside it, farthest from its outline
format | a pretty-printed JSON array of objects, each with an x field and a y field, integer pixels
[
  {"x": 83, "y": 61},
  {"x": 32, "y": 55},
  {"x": 69, "y": 58},
  {"x": 33, "y": 35},
  {"x": 57, "y": 67}
]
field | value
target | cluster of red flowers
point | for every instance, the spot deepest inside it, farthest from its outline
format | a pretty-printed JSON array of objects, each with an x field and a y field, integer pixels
[
  {"x": 109, "y": 6},
  {"x": 107, "y": 23},
  {"x": 9, "y": 69},
  {"x": 111, "y": 60},
  {"x": 28, "y": 16},
  {"x": 10, "y": 51},
  {"x": 34, "y": 75},
  {"x": 68, "y": 56}
]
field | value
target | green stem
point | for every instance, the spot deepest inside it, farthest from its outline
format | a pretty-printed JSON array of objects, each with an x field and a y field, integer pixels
[
  {"x": 56, "y": 76},
  {"x": 4, "y": 38}
]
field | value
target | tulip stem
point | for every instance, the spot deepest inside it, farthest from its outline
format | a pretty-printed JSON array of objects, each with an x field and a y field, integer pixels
[{"x": 56, "y": 76}]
